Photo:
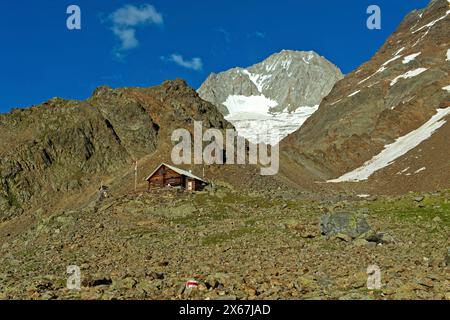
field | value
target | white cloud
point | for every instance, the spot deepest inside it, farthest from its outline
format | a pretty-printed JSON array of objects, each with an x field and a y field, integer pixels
[
  {"x": 193, "y": 64},
  {"x": 126, "y": 19},
  {"x": 132, "y": 16},
  {"x": 127, "y": 38}
]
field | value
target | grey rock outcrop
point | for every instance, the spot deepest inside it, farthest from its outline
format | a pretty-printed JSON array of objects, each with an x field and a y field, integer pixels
[{"x": 343, "y": 223}]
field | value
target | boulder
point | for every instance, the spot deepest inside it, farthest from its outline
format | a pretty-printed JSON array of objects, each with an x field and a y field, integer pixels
[{"x": 344, "y": 223}]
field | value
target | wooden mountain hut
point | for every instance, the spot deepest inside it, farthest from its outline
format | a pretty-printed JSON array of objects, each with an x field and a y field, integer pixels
[{"x": 165, "y": 176}]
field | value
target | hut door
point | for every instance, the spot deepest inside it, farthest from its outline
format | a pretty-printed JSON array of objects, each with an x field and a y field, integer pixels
[{"x": 190, "y": 185}]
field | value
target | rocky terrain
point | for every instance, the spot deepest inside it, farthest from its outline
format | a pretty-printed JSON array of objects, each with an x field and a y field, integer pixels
[
  {"x": 259, "y": 245},
  {"x": 397, "y": 92}
]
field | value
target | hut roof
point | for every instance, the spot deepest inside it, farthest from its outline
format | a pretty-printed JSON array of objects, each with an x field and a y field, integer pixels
[{"x": 177, "y": 170}]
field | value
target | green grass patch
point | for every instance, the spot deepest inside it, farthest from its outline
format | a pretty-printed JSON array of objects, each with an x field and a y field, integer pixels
[
  {"x": 406, "y": 209},
  {"x": 12, "y": 200},
  {"x": 222, "y": 237}
]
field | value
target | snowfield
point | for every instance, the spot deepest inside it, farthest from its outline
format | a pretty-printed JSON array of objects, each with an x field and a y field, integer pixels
[
  {"x": 253, "y": 104},
  {"x": 276, "y": 95},
  {"x": 397, "y": 149},
  {"x": 252, "y": 118}
]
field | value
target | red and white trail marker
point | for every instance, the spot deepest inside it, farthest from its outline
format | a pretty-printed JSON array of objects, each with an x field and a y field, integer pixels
[{"x": 191, "y": 284}]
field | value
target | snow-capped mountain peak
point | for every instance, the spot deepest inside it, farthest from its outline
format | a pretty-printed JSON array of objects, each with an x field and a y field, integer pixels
[{"x": 271, "y": 99}]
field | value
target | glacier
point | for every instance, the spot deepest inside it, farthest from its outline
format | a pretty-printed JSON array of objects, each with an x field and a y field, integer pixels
[{"x": 253, "y": 119}]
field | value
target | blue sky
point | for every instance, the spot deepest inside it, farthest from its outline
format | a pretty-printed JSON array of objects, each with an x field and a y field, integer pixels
[{"x": 147, "y": 42}]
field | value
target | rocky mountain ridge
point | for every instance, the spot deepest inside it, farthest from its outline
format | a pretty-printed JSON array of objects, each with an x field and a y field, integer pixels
[
  {"x": 377, "y": 106},
  {"x": 58, "y": 148}
]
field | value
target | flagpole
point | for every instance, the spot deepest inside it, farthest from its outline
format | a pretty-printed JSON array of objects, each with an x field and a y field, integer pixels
[{"x": 135, "y": 175}]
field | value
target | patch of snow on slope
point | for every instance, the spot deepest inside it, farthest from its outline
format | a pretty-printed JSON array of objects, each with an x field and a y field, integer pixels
[
  {"x": 374, "y": 74},
  {"x": 337, "y": 101},
  {"x": 305, "y": 61},
  {"x": 417, "y": 22},
  {"x": 286, "y": 64},
  {"x": 448, "y": 55},
  {"x": 397, "y": 149},
  {"x": 421, "y": 38},
  {"x": 390, "y": 60},
  {"x": 308, "y": 58},
  {"x": 411, "y": 57},
  {"x": 252, "y": 119},
  {"x": 273, "y": 66},
  {"x": 398, "y": 52},
  {"x": 420, "y": 170},
  {"x": 354, "y": 93},
  {"x": 447, "y": 88},
  {"x": 409, "y": 74},
  {"x": 403, "y": 171},
  {"x": 258, "y": 80},
  {"x": 432, "y": 23}
]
